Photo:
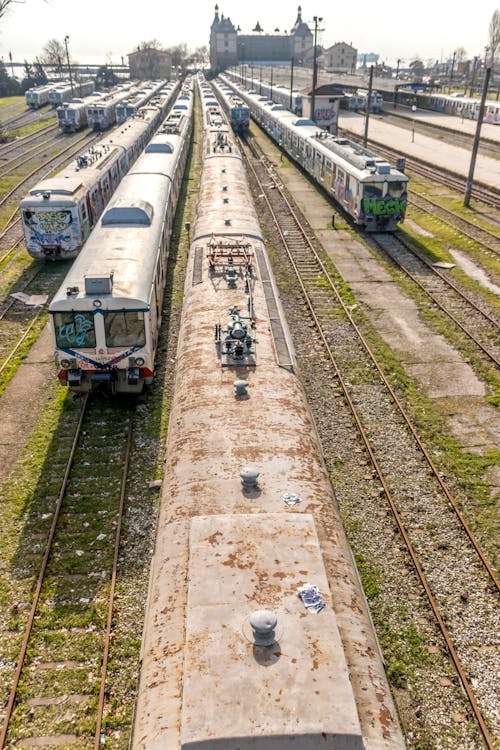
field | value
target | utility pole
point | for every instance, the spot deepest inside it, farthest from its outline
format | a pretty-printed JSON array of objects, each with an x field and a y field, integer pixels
[
  {"x": 291, "y": 84},
  {"x": 271, "y": 88},
  {"x": 475, "y": 147},
  {"x": 368, "y": 104},
  {"x": 316, "y": 20},
  {"x": 66, "y": 40}
]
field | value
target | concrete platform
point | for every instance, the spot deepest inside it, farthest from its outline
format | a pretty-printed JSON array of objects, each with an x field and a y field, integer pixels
[{"x": 454, "y": 158}]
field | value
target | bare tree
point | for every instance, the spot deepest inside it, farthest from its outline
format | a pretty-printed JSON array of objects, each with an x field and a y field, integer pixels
[
  {"x": 5, "y": 5},
  {"x": 54, "y": 54},
  {"x": 493, "y": 37}
]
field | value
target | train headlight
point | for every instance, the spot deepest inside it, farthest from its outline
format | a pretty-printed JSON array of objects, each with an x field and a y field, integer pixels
[
  {"x": 66, "y": 364},
  {"x": 139, "y": 361}
]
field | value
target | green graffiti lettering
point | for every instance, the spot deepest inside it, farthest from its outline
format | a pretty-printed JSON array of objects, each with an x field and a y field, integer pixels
[{"x": 383, "y": 207}]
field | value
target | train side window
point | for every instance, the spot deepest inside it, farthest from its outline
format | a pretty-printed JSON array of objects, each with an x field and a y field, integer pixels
[
  {"x": 74, "y": 329},
  {"x": 125, "y": 328}
]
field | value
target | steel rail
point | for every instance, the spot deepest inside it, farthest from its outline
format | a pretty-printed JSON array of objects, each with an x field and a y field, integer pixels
[
  {"x": 39, "y": 583},
  {"x": 422, "y": 577}
]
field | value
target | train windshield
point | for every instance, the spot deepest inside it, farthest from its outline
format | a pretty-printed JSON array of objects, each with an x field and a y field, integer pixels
[
  {"x": 74, "y": 329},
  {"x": 125, "y": 328},
  {"x": 373, "y": 190},
  {"x": 396, "y": 189}
]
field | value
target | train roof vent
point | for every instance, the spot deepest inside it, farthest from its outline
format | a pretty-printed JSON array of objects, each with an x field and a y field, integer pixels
[
  {"x": 159, "y": 147},
  {"x": 304, "y": 121},
  {"x": 384, "y": 167},
  {"x": 99, "y": 284},
  {"x": 138, "y": 212}
]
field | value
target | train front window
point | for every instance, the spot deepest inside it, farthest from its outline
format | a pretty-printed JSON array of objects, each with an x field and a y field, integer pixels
[
  {"x": 74, "y": 329},
  {"x": 396, "y": 189},
  {"x": 125, "y": 328},
  {"x": 373, "y": 190}
]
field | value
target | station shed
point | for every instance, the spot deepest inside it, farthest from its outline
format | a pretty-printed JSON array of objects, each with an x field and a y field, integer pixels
[{"x": 327, "y": 99}]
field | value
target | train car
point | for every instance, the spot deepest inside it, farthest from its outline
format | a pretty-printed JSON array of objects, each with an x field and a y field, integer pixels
[
  {"x": 106, "y": 315},
  {"x": 38, "y": 96},
  {"x": 257, "y": 634},
  {"x": 67, "y": 91},
  {"x": 235, "y": 108},
  {"x": 72, "y": 115},
  {"x": 376, "y": 100},
  {"x": 102, "y": 113},
  {"x": 138, "y": 99},
  {"x": 278, "y": 93},
  {"x": 364, "y": 185},
  {"x": 59, "y": 212},
  {"x": 465, "y": 107}
]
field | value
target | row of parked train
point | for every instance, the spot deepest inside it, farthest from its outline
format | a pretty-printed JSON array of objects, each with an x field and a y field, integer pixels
[
  {"x": 231, "y": 656},
  {"x": 59, "y": 212},
  {"x": 100, "y": 111},
  {"x": 371, "y": 191},
  {"x": 57, "y": 93},
  {"x": 106, "y": 315}
]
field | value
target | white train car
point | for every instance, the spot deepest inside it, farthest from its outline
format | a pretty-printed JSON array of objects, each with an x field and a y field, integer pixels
[
  {"x": 235, "y": 108},
  {"x": 72, "y": 115},
  {"x": 363, "y": 184},
  {"x": 138, "y": 99},
  {"x": 465, "y": 107},
  {"x": 101, "y": 114},
  {"x": 231, "y": 657},
  {"x": 67, "y": 91},
  {"x": 38, "y": 96},
  {"x": 278, "y": 92},
  {"x": 107, "y": 313},
  {"x": 59, "y": 212},
  {"x": 376, "y": 100}
]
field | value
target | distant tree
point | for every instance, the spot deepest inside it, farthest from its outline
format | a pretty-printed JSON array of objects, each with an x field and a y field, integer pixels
[
  {"x": 460, "y": 54},
  {"x": 105, "y": 78},
  {"x": 179, "y": 55},
  {"x": 493, "y": 37},
  {"x": 153, "y": 44},
  {"x": 417, "y": 67},
  {"x": 54, "y": 54},
  {"x": 8, "y": 86}
]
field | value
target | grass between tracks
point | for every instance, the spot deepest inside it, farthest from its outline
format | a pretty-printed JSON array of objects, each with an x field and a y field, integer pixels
[{"x": 33, "y": 476}]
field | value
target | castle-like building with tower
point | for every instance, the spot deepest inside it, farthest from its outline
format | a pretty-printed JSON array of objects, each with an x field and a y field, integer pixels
[{"x": 229, "y": 47}]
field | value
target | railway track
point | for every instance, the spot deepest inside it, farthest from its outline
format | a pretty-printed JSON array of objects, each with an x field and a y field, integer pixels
[
  {"x": 488, "y": 239},
  {"x": 446, "y": 558},
  {"x": 473, "y": 320},
  {"x": 17, "y": 160},
  {"x": 68, "y": 622}
]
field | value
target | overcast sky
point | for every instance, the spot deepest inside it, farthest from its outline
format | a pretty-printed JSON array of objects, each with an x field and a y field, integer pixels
[{"x": 100, "y": 30}]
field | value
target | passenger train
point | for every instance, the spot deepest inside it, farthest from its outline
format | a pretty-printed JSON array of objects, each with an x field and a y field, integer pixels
[
  {"x": 462, "y": 106},
  {"x": 234, "y": 107},
  {"x": 106, "y": 315},
  {"x": 38, "y": 96},
  {"x": 64, "y": 92},
  {"x": 257, "y": 634},
  {"x": 102, "y": 113},
  {"x": 138, "y": 99},
  {"x": 364, "y": 185},
  {"x": 59, "y": 212},
  {"x": 72, "y": 115},
  {"x": 276, "y": 92}
]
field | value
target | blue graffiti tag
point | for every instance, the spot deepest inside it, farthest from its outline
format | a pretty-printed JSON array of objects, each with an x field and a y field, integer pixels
[{"x": 75, "y": 333}]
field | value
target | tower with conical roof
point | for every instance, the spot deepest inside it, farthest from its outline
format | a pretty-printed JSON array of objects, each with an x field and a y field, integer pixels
[
  {"x": 223, "y": 37},
  {"x": 301, "y": 37}
]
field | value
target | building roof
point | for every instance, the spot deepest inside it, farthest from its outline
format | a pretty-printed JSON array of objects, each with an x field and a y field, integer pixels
[{"x": 300, "y": 28}]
